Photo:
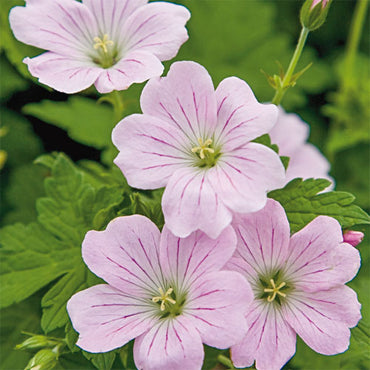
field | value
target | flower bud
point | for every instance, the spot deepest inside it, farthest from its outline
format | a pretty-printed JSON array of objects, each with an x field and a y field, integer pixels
[
  {"x": 45, "y": 359},
  {"x": 353, "y": 237},
  {"x": 35, "y": 342},
  {"x": 314, "y": 13}
]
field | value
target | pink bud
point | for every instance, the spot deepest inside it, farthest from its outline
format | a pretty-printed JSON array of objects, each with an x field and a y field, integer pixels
[
  {"x": 323, "y": 3},
  {"x": 353, "y": 237}
]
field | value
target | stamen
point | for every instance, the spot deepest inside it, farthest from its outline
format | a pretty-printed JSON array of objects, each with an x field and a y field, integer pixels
[
  {"x": 164, "y": 297},
  {"x": 275, "y": 290},
  {"x": 203, "y": 147},
  {"x": 102, "y": 43}
]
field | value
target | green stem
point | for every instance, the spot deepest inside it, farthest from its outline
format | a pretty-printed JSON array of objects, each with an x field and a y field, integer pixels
[
  {"x": 355, "y": 31},
  {"x": 279, "y": 94},
  {"x": 118, "y": 105}
]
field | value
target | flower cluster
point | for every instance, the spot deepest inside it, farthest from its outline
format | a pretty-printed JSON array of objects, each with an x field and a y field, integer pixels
[{"x": 225, "y": 270}]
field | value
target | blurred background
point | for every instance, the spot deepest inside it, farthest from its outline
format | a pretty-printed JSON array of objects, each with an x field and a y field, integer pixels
[{"x": 228, "y": 37}]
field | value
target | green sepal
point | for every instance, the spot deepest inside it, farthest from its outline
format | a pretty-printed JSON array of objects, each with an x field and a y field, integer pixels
[{"x": 314, "y": 18}]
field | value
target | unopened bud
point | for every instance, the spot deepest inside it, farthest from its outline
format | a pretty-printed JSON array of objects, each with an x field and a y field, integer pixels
[
  {"x": 314, "y": 13},
  {"x": 45, "y": 359},
  {"x": 353, "y": 237},
  {"x": 36, "y": 341}
]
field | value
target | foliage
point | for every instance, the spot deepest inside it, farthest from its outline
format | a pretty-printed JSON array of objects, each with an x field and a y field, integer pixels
[{"x": 302, "y": 203}]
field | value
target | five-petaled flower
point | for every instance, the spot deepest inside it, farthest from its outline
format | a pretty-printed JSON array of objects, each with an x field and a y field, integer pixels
[
  {"x": 197, "y": 142},
  {"x": 298, "y": 285},
  {"x": 290, "y": 134},
  {"x": 166, "y": 292},
  {"x": 109, "y": 43}
]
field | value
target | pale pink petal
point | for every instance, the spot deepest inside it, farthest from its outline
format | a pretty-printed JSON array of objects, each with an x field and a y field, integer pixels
[
  {"x": 185, "y": 260},
  {"x": 62, "y": 26},
  {"x": 158, "y": 150},
  {"x": 171, "y": 344},
  {"x": 185, "y": 99},
  {"x": 126, "y": 255},
  {"x": 317, "y": 319},
  {"x": 263, "y": 239},
  {"x": 135, "y": 67},
  {"x": 217, "y": 303},
  {"x": 63, "y": 73},
  {"x": 107, "y": 318},
  {"x": 243, "y": 177},
  {"x": 308, "y": 162},
  {"x": 189, "y": 203},
  {"x": 158, "y": 28},
  {"x": 269, "y": 340},
  {"x": 240, "y": 117},
  {"x": 290, "y": 133},
  {"x": 318, "y": 259},
  {"x": 111, "y": 15}
]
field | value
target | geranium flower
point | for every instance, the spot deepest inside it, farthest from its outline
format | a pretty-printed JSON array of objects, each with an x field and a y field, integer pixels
[
  {"x": 109, "y": 43},
  {"x": 166, "y": 292},
  {"x": 298, "y": 286},
  {"x": 197, "y": 142},
  {"x": 290, "y": 134}
]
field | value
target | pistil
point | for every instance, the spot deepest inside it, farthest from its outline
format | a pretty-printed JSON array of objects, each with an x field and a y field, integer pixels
[
  {"x": 164, "y": 297},
  {"x": 203, "y": 147},
  {"x": 102, "y": 43},
  {"x": 274, "y": 290}
]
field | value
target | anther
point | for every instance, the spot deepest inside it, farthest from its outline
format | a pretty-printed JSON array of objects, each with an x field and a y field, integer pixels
[
  {"x": 274, "y": 290},
  {"x": 102, "y": 43},
  {"x": 203, "y": 147},
  {"x": 164, "y": 297}
]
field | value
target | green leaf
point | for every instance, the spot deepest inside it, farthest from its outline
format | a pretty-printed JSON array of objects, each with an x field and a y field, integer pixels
[
  {"x": 302, "y": 204},
  {"x": 102, "y": 361},
  {"x": 15, "y": 319},
  {"x": 85, "y": 121},
  {"x": 30, "y": 259}
]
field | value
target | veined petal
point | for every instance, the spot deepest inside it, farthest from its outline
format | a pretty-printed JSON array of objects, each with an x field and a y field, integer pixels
[
  {"x": 171, "y": 344},
  {"x": 269, "y": 340},
  {"x": 240, "y": 117},
  {"x": 243, "y": 177},
  {"x": 189, "y": 203},
  {"x": 150, "y": 150},
  {"x": 318, "y": 320},
  {"x": 263, "y": 239},
  {"x": 63, "y": 73},
  {"x": 184, "y": 260},
  {"x": 318, "y": 259},
  {"x": 126, "y": 255},
  {"x": 136, "y": 67},
  {"x": 64, "y": 27},
  {"x": 111, "y": 15},
  {"x": 158, "y": 28},
  {"x": 217, "y": 303},
  {"x": 106, "y": 318},
  {"x": 290, "y": 133},
  {"x": 185, "y": 99},
  {"x": 308, "y": 162}
]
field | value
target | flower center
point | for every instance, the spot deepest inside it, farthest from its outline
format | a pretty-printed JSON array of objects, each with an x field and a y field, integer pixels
[
  {"x": 206, "y": 154},
  {"x": 274, "y": 290},
  {"x": 164, "y": 298},
  {"x": 106, "y": 53}
]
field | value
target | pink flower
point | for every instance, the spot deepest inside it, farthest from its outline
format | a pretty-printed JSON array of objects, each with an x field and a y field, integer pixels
[
  {"x": 353, "y": 237},
  {"x": 298, "y": 284},
  {"x": 290, "y": 134},
  {"x": 109, "y": 43},
  {"x": 197, "y": 142},
  {"x": 166, "y": 292}
]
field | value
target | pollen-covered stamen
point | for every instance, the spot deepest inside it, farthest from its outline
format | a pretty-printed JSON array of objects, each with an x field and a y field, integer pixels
[
  {"x": 274, "y": 290},
  {"x": 203, "y": 147},
  {"x": 102, "y": 43},
  {"x": 164, "y": 297}
]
